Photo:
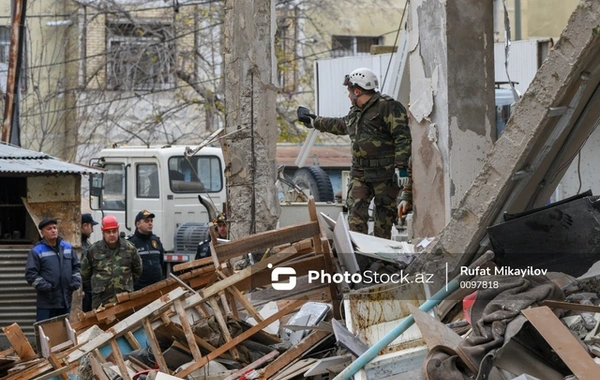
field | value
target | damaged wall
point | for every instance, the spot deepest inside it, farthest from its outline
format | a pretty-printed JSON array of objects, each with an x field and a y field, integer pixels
[
  {"x": 548, "y": 127},
  {"x": 452, "y": 103}
]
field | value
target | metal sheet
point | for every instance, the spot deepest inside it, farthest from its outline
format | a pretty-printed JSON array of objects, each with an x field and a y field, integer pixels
[
  {"x": 19, "y": 160},
  {"x": 17, "y": 304}
]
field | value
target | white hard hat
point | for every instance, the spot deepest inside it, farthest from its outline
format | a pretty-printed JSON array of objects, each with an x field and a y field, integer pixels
[{"x": 363, "y": 78}]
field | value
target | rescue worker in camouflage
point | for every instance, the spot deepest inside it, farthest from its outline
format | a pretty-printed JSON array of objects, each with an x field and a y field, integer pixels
[
  {"x": 149, "y": 248},
  {"x": 381, "y": 146},
  {"x": 110, "y": 266},
  {"x": 53, "y": 269}
]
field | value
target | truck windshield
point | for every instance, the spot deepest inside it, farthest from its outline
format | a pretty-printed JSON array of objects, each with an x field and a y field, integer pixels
[{"x": 198, "y": 174}]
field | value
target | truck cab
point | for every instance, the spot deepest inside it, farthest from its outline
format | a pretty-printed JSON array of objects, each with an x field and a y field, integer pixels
[{"x": 160, "y": 179}]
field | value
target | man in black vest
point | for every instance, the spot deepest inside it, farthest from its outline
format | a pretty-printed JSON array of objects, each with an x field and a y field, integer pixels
[{"x": 150, "y": 250}]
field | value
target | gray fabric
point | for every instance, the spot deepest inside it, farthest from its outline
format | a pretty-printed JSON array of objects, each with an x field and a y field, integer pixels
[{"x": 491, "y": 315}]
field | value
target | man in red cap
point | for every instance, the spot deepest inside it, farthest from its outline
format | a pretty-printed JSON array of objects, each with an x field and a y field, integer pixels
[{"x": 110, "y": 266}]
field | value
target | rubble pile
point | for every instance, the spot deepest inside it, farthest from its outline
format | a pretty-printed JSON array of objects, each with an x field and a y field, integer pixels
[
  {"x": 206, "y": 322},
  {"x": 267, "y": 320}
]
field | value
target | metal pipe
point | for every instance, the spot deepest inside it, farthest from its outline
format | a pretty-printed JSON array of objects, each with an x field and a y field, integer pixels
[
  {"x": 374, "y": 350},
  {"x": 517, "y": 20},
  {"x": 19, "y": 8}
]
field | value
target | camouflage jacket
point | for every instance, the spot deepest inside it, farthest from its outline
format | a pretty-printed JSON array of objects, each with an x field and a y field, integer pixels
[
  {"x": 379, "y": 135},
  {"x": 108, "y": 272}
]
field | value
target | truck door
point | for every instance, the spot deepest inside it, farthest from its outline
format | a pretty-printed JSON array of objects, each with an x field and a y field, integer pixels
[{"x": 145, "y": 194}]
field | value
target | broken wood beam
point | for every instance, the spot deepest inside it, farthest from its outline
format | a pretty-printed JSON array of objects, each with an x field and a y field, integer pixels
[
  {"x": 267, "y": 358},
  {"x": 19, "y": 342},
  {"x": 268, "y": 239},
  {"x": 127, "y": 324},
  {"x": 293, "y": 353},
  {"x": 243, "y": 336},
  {"x": 192, "y": 264}
]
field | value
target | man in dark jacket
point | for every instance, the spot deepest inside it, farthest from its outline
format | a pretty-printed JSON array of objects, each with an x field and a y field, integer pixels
[
  {"x": 220, "y": 226},
  {"x": 87, "y": 228},
  {"x": 53, "y": 269},
  {"x": 149, "y": 248}
]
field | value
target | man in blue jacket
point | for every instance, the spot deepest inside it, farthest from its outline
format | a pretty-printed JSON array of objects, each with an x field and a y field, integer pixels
[
  {"x": 53, "y": 269},
  {"x": 150, "y": 250}
]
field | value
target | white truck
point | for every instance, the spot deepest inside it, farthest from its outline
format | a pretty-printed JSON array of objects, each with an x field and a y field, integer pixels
[
  {"x": 163, "y": 180},
  {"x": 183, "y": 191}
]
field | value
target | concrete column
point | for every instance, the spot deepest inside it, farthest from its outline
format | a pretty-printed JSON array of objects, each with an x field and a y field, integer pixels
[{"x": 452, "y": 103}]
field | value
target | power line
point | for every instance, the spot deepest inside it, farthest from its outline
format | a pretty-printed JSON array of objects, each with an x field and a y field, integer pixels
[
  {"x": 107, "y": 53},
  {"x": 134, "y": 96}
]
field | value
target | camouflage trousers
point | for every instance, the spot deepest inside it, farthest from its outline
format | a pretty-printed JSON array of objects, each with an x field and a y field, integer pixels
[{"x": 384, "y": 194}]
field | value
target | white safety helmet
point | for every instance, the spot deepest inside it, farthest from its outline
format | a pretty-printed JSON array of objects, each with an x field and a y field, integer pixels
[{"x": 363, "y": 78}]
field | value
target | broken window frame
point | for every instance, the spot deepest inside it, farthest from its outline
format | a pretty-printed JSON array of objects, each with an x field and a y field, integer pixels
[
  {"x": 140, "y": 56},
  {"x": 5, "y": 33},
  {"x": 345, "y": 46}
]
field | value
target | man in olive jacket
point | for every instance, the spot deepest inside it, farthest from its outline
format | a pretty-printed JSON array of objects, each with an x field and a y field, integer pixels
[
  {"x": 111, "y": 265},
  {"x": 381, "y": 146},
  {"x": 53, "y": 270}
]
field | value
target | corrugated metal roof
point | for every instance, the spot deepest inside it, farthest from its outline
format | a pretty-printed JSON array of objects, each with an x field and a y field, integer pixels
[{"x": 19, "y": 160}]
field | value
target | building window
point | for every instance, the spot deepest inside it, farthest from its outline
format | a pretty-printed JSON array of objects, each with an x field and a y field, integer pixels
[
  {"x": 4, "y": 43},
  {"x": 140, "y": 56},
  {"x": 5, "y": 53},
  {"x": 343, "y": 46}
]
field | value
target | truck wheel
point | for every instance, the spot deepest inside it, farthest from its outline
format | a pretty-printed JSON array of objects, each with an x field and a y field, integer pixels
[{"x": 316, "y": 181}]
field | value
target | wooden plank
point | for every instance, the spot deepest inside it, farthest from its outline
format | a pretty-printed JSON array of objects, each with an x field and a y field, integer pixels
[
  {"x": 58, "y": 365},
  {"x": 566, "y": 346},
  {"x": 116, "y": 352},
  {"x": 268, "y": 239},
  {"x": 133, "y": 342},
  {"x": 156, "y": 351},
  {"x": 293, "y": 353},
  {"x": 243, "y": 336},
  {"x": 570, "y": 306},
  {"x": 176, "y": 330},
  {"x": 223, "y": 325},
  {"x": 19, "y": 342},
  {"x": 97, "y": 369},
  {"x": 189, "y": 334},
  {"x": 237, "y": 295},
  {"x": 192, "y": 264},
  {"x": 30, "y": 372},
  {"x": 267, "y": 358},
  {"x": 57, "y": 372},
  {"x": 127, "y": 324}
]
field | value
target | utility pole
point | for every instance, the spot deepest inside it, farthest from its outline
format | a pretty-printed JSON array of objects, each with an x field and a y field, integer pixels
[
  {"x": 14, "y": 70},
  {"x": 250, "y": 96}
]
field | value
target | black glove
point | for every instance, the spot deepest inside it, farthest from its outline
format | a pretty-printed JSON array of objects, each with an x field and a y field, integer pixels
[{"x": 305, "y": 117}]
